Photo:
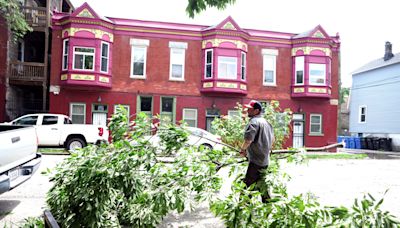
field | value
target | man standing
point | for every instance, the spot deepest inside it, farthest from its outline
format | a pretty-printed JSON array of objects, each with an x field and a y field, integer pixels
[{"x": 258, "y": 139}]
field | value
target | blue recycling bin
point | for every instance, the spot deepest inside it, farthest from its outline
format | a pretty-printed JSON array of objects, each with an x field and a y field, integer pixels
[
  {"x": 352, "y": 143},
  {"x": 340, "y": 139},
  {"x": 357, "y": 142}
]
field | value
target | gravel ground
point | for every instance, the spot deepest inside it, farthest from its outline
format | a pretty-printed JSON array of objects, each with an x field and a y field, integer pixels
[{"x": 335, "y": 182}]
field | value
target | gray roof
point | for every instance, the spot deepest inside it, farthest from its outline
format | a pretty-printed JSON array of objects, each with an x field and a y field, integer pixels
[{"x": 378, "y": 63}]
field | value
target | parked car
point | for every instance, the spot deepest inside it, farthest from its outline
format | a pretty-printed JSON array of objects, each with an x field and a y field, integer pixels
[
  {"x": 58, "y": 130},
  {"x": 19, "y": 159},
  {"x": 197, "y": 137}
]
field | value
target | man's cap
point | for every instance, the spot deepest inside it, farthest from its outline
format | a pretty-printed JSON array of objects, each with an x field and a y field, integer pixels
[{"x": 254, "y": 104}]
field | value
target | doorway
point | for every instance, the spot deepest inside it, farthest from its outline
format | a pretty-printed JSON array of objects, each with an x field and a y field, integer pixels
[{"x": 298, "y": 130}]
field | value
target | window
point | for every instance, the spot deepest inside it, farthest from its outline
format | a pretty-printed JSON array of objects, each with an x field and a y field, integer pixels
[
  {"x": 49, "y": 120},
  {"x": 78, "y": 113},
  {"x": 145, "y": 104},
  {"x": 29, "y": 120},
  {"x": 243, "y": 66},
  {"x": 177, "y": 65},
  {"x": 117, "y": 107},
  {"x": 232, "y": 113},
  {"x": 269, "y": 67},
  {"x": 167, "y": 109},
  {"x": 139, "y": 61},
  {"x": 138, "y": 58},
  {"x": 105, "y": 48},
  {"x": 177, "y": 60},
  {"x": 190, "y": 116},
  {"x": 362, "y": 113},
  {"x": 299, "y": 67},
  {"x": 316, "y": 124},
  {"x": 269, "y": 70},
  {"x": 227, "y": 67},
  {"x": 209, "y": 64},
  {"x": 317, "y": 74},
  {"x": 83, "y": 58},
  {"x": 65, "y": 54}
]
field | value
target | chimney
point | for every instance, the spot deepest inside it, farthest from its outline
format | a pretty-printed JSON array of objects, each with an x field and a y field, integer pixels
[{"x": 388, "y": 51}]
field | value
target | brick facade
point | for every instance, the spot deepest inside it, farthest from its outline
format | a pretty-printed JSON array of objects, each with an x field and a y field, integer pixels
[{"x": 195, "y": 91}]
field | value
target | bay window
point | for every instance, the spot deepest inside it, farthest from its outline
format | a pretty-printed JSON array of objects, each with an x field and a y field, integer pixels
[
  {"x": 104, "y": 57},
  {"x": 227, "y": 67},
  {"x": 83, "y": 58},
  {"x": 208, "y": 71},
  {"x": 317, "y": 74},
  {"x": 65, "y": 54},
  {"x": 299, "y": 73},
  {"x": 243, "y": 66}
]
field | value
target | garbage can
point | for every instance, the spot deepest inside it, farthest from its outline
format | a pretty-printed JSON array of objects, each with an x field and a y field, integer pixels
[
  {"x": 375, "y": 143},
  {"x": 363, "y": 142},
  {"x": 389, "y": 144},
  {"x": 370, "y": 145},
  {"x": 383, "y": 144}
]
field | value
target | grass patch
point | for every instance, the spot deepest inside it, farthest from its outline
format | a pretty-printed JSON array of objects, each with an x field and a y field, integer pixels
[
  {"x": 52, "y": 151},
  {"x": 336, "y": 156}
]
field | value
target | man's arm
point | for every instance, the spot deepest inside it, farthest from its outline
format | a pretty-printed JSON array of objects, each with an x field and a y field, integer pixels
[{"x": 243, "y": 148}]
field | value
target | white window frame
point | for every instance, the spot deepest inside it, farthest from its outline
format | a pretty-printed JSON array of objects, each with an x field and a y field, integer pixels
[
  {"x": 65, "y": 54},
  {"x": 173, "y": 60},
  {"x": 84, "y": 54},
  {"x": 232, "y": 113},
  {"x": 243, "y": 67},
  {"x": 206, "y": 64},
  {"x": 310, "y": 66},
  {"x": 269, "y": 54},
  {"x": 84, "y": 111},
  {"x": 190, "y": 109},
  {"x": 320, "y": 124},
  {"x": 177, "y": 47},
  {"x": 223, "y": 60},
  {"x": 139, "y": 44},
  {"x": 127, "y": 107},
  {"x": 105, "y": 57},
  {"x": 299, "y": 66},
  {"x": 360, "y": 108}
]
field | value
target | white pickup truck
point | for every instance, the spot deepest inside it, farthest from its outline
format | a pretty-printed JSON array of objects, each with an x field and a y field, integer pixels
[
  {"x": 18, "y": 157},
  {"x": 56, "y": 130}
]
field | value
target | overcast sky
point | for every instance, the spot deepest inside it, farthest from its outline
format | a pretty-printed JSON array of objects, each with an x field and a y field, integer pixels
[{"x": 363, "y": 25}]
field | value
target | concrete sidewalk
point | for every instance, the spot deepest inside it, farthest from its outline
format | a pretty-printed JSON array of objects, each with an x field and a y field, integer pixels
[{"x": 375, "y": 154}]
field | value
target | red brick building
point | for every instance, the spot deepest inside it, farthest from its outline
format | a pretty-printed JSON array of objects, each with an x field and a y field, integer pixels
[{"x": 192, "y": 72}]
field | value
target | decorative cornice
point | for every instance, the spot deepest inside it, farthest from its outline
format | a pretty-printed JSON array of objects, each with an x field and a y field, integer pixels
[
  {"x": 97, "y": 32},
  {"x": 307, "y": 50},
  {"x": 216, "y": 42},
  {"x": 83, "y": 21},
  {"x": 157, "y": 31},
  {"x": 227, "y": 33}
]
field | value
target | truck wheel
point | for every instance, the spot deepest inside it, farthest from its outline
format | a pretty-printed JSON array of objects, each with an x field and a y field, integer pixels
[
  {"x": 207, "y": 146},
  {"x": 75, "y": 143}
]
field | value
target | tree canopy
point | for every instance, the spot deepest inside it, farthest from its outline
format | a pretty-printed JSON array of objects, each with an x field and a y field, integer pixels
[
  {"x": 10, "y": 10},
  {"x": 196, "y": 6}
]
